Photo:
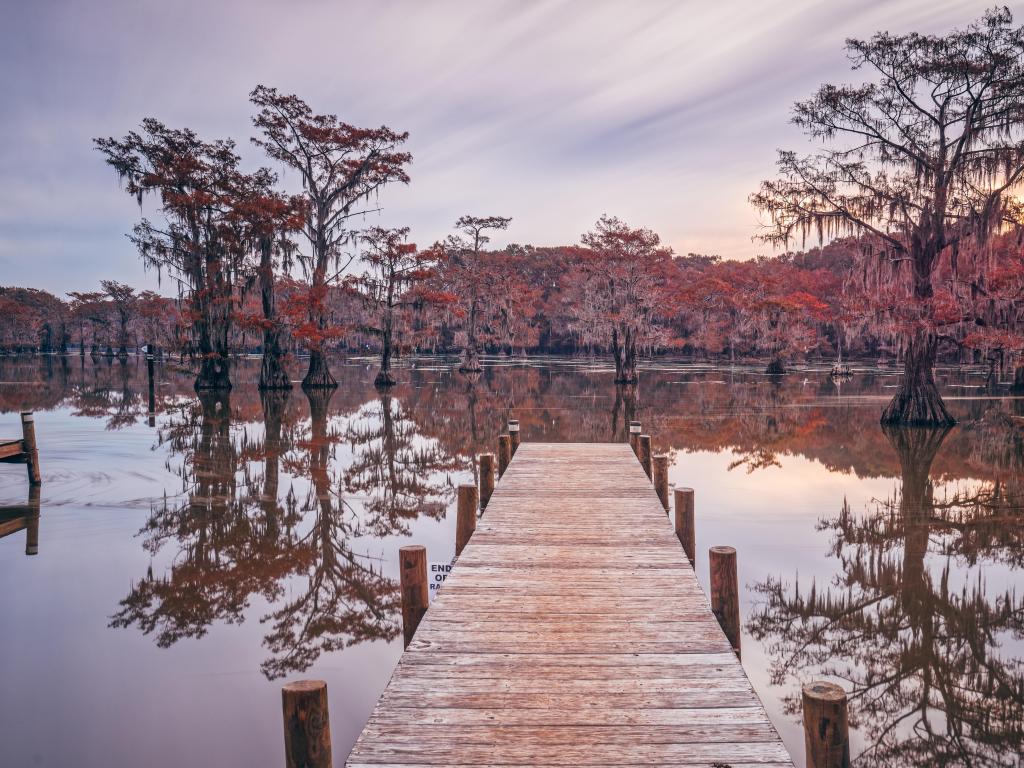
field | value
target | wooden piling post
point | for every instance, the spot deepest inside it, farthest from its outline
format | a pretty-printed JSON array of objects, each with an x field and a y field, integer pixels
[
  {"x": 504, "y": 453},
  {"x": 465, "y": 521},
  {"x": 412, "y": 567},
  {"x": 826, "y": 730},
  {"x": 660, "y": 469},
  {"x": 28, "y": 437},
  {"x": 486, "y": 478},
  {"x": 152, "y": 384},
  {"x": 685, "y": 530},
  {"x": 725, "y": 593},
  {"x": 644, "y": 453},
  {"x": 634, "y": 435},
  {"x": 513, "y": 433},
  {"x": 307, "y": 725}
]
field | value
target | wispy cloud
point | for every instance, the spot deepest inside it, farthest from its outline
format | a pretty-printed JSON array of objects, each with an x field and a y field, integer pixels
[{"x": 666, "y": 113}]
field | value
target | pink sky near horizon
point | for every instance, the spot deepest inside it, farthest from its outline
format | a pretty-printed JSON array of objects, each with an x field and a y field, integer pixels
[{"x": 666, "y": 114}]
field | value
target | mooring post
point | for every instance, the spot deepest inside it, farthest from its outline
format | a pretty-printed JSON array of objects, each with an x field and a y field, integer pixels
[
  {"x": 634, "y": 435},
  {"x": 504, "y": 453},
  {"x": 307, "y": 725},
  {"x": 465, "y": 520},
  {"x": 644, "y": 453},
  {"x": 513, "y": 433},
  {"x": 725, "y": 593},
  {"x": 152, "y": 385},
  {"x": 685, "y": 530},
  {"x": 826, "y": 730},
  {"x": 660, "y": 466},
  {"x": 486, "y": 467},
  {"x": 412, "y": 567},
  {"x": 28, "y": 439}
]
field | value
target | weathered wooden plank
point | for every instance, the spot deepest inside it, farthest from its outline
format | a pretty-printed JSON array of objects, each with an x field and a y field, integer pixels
[
  {"x": 9, "y": 525},
  {"x": 572, "y": 631},
  {"x": 700, "y": 763},
  {"x": 558, "y": 735},
  {"x": 371, "y": 750},
  {"x": 12, "y": 450},
  {"x": 425, "y": 716}
]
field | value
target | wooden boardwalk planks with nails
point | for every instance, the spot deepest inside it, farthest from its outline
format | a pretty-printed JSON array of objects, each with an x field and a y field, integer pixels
[{"x": 572, "y": 631}]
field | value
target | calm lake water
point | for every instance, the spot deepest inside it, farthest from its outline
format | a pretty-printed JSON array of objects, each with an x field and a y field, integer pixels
[{"x": 191, "y": 562}]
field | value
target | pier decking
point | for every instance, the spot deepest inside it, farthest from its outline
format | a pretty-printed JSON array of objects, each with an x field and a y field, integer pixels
[{"x": 572, "y": 631}]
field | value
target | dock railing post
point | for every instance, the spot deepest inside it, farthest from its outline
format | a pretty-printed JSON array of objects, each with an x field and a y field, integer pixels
[
  {"x": 412, "y": 567},
  {"x": 644, "y": 453},
  {"x": 486, "y": 478},
  {"x": 826, "y": 730},
  {"x": 28, "y": 438},
  {"x": 725, "y": 593},
  {"x": 513, "y": 433},
  {"x": 634, "y": 435},
  {"x": 465, "y": 520},
  {"x": 307, "y": 725},
  {"x": 685, "y": 530},
  {"x": 660, "y": 465},
  {"x": 504, "y": 453}
]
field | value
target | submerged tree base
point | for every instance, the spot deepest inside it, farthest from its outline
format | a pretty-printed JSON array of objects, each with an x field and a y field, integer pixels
[
  {"x": 471, "y": 363},
  {"x": 273, "y": 376},
  {"x": 917, "y": 402},
  {"x": 319, "y": 375},
  {"x": 919, "y": 406},
  {"x": 384, "y": 379},
  {"x": 214, "y": 375}
]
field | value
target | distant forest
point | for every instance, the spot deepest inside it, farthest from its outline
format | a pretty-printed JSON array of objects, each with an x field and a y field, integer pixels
[{"x": 836, "y": 302}]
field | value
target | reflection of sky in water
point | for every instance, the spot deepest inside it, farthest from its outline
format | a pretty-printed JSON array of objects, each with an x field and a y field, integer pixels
[{"x": 77, "y": 692}]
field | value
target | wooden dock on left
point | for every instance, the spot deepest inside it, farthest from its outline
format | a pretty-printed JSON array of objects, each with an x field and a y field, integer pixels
[{"x": 23, "y": 450}]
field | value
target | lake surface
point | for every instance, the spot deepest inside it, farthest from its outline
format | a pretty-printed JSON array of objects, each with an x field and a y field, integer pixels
[{"x": 190, "y": 562}]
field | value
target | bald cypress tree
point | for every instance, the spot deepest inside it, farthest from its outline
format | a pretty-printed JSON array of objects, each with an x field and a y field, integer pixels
[{"x": 924, "y": 155}]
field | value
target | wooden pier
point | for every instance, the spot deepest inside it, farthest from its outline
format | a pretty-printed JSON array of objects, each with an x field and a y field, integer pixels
[
  {"x": 23, "y": 451},
  {"x": 572, "y": 631}
]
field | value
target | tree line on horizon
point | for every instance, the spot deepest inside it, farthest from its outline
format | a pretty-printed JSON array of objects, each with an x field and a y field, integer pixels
[
  {"x": 803, "y": 306},
  {"x": 913, "y": 195}
]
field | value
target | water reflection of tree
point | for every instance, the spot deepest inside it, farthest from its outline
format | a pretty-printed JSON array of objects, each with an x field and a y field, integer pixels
[
  {"x": 623, "y": 411},
  {"x": 400, "y": 474},
  {"x": 228, "y": 548},
  {"x": 346, "y": 599},
  {"x": 920, "y": 653},
  {"x": 236, "y": 537}
]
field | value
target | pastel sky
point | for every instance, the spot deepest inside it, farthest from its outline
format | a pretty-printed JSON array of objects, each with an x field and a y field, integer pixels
[{"x": 666, "y": 114}]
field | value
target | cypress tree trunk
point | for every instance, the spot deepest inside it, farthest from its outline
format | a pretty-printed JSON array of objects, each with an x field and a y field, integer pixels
[
  {"x": 917, "y": 401},
  {"x": 384, "y": 377},
  {"x": 272, "y": 372},
  {"x": 471, "y": 357},
  {"x": 625, "y": 356}
]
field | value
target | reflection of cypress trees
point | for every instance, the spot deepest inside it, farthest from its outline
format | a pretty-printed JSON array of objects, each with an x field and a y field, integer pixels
[
  {"x": 346, "y": 599},
  {"x": 623, "y": 412},
  {"x": 395, "y": 468},
  {"x": 128, "y": 403},
  {"x": 929, "y": 684},
  {"x": 228, "y": 548}
]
